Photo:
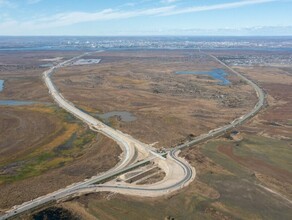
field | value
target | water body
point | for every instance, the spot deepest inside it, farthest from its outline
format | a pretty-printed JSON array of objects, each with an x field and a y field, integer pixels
[
  {"x": 15, "y": 102},
  {"x": 218, "y": 74},
  {"x": 12, "y": 102},
  {"x": 1, "y": 85},
  {"x": 125, "y": 116},
  {"x": 46, "y": 65}
]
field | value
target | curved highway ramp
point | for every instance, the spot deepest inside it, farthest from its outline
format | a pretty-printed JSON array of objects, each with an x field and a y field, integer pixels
[{"x": 178, "y": 172}]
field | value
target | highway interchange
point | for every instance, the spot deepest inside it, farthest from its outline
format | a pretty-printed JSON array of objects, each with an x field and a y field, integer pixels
[{"x": 178, "y": 171}]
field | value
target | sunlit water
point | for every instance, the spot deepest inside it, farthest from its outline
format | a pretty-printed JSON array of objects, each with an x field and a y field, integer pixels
[{"x": 218, "y": 74}]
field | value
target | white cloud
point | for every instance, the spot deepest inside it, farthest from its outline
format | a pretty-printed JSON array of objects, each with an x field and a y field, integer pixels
[
  {"x": 71, "y": 18},
  {"x": 64, "y": 19},
  {"x": 216, "y": 7}
]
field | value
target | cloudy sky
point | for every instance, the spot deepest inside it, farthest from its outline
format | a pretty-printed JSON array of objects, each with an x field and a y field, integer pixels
[{"x": 145, "y": 17}]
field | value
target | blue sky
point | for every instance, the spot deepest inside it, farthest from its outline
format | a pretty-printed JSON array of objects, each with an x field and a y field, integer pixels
[{"x": 145, "y": 17}]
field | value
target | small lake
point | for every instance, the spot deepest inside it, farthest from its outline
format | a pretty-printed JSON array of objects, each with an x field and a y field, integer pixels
[
  {"x": 12, "y": 102},
  {"x": 15, "y": 102},
  {"x": 46, "y": 65},
  {"x": 1, "y": 85},
  {"x": 218, "y": 74},
  {"x": 125, "y": 116}
]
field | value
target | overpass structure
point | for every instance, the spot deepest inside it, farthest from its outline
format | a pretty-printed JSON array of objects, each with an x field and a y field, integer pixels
[{"x": 135, "y": 153}]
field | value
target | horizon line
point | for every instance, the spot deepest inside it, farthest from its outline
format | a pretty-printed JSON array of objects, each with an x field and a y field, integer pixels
[{"x": 164, "y": 35}]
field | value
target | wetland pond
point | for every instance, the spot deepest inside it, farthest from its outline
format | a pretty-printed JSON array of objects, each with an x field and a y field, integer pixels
[
  {"x": 15, "y": 103},
  {"x": 1, "y": 85},
  {"x": 124, "y": 116},
  {"x": 12, "y": 102},
  {"x": 46, "y": 65},
  {"x": 218, "y": 74}
]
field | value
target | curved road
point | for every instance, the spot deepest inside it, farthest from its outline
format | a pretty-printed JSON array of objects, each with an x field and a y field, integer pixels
[
  {"x": 156, "y": 190},
  {"x": 219, "y": 131},
  {"x": 127, "y": 142}
]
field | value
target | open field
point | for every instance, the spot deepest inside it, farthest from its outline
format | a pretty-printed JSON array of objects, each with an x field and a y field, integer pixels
[
  {"x": 224, "y": 189},
  {"x": 144, "y": 83},
  {"x": 230, "y": 173},
  {"x": 69, "y": 150},
  {"x": 168, "y": 108},
  {"x": 41, "y": 142},
  {"x": 22, "y": 74},
  {"x": 274, "y": 122}
]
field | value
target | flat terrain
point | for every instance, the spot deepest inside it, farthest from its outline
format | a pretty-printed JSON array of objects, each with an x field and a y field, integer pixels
[
  {"x": 22, "y": 73},
  {"x": 232, "y": 171},
  {"x": 168, "y": 107},
  {"x": 43, "y": 144},
  {"x": 42, "y": 148}
]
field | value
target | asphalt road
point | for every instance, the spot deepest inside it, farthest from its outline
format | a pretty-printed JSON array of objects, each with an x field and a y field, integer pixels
[
  {"x": 125, "y": 164},
  {"x": 188, "y": 174},
  {"x": 123, "y": 141},
  {"x": 219, "y": 131}
]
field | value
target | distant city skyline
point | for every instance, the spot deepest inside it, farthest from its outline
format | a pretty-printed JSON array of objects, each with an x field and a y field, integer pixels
[{"x": 146, "y": 17}]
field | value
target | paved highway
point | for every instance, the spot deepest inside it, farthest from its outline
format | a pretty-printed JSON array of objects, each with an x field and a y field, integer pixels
[
  {"x": 219, "y": 131},
  {"x": 127, "y": 142},
  {"x": 154, "y": 189},
  {"x": 213, "y": 133},
  {"x": 124, "y": 141}
]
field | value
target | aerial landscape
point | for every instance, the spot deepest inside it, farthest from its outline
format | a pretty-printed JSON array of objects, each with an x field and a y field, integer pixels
[{"x": 145, "y": 109}]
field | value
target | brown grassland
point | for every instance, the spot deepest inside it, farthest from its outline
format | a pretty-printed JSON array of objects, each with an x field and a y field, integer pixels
[
  {"x": 169, "y": 107},
  {"x": 42, "y": 148},
  {"x": 230, "y": 173},
  {"x": 46, "y": 145}
]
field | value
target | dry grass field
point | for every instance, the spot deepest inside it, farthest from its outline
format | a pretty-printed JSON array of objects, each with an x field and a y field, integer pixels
[
  {"x": 231, "y": 174},
  {"x": 42, "y": 148},
  {"x": 168, "y": 107}
]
